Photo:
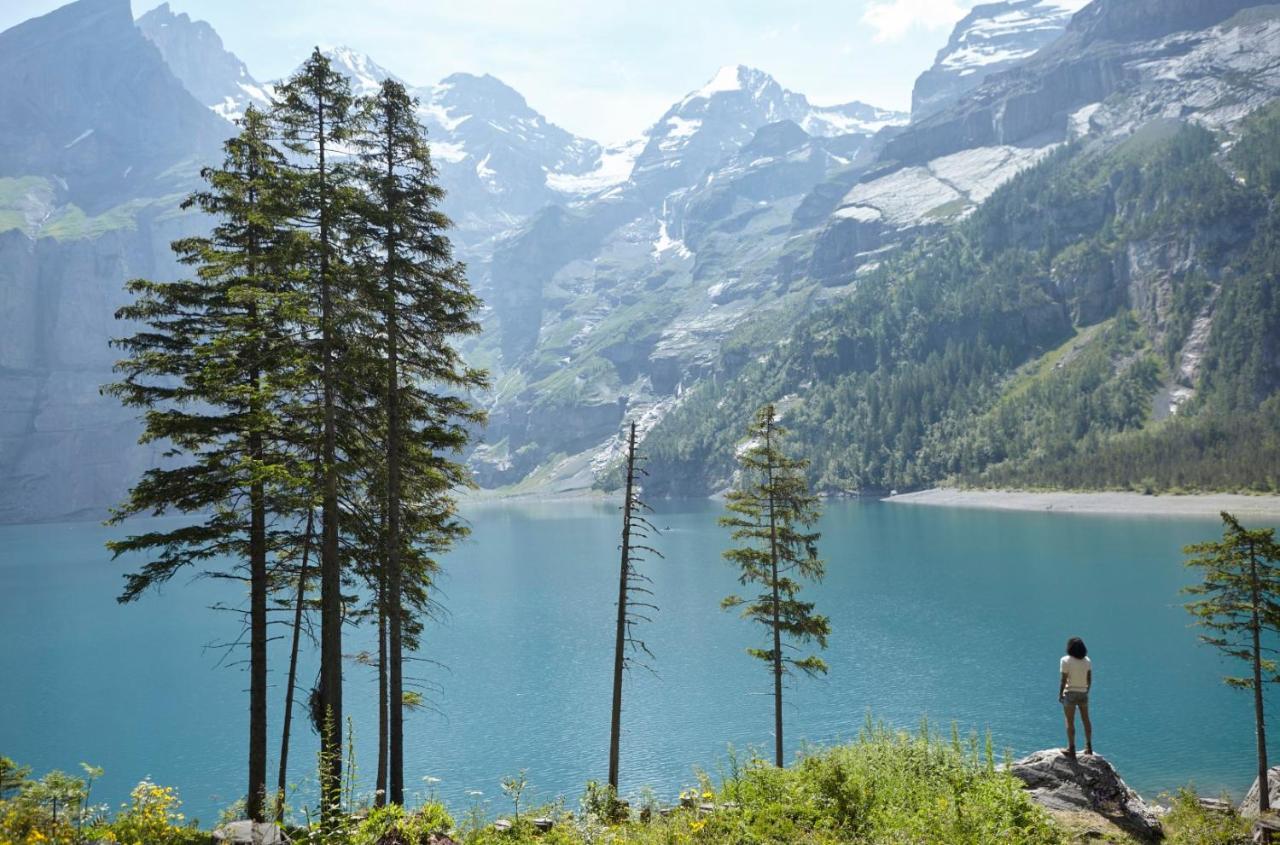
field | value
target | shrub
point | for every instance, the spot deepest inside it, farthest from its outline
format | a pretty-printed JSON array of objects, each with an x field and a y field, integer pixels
[
  {"x": 1189, "y": 823},
  {"x": 151, "y": 817},
  {"x": 395, "y": 824}
]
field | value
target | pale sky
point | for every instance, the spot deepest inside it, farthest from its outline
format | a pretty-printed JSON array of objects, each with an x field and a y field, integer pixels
[{"x": 605, "y": 69}]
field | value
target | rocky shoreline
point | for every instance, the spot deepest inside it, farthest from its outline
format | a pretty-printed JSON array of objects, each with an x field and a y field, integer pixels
[{"x": 1114, "y": 503}]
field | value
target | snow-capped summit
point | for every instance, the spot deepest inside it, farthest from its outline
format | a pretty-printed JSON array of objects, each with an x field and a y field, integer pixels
[
  {"x": 717, "y": 119},
  {"x": 491, "y": 144},
  {"x": 365, "y": 74},
  {"x": 989, "y": 39}
]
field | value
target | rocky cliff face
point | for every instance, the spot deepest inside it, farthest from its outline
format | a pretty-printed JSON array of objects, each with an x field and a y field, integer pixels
[
  {"x": 94, "y": 123},
  {"x": 1114, "y": 69},
  {"x": 990, "y": 39},
  {"x": 90, "y": 103},
  {"x": 194, "y": 52},
  {"x": 1118, "y": 64},
  {"x": 606, "y": 310},
  {"x": 65, "y": 450}
]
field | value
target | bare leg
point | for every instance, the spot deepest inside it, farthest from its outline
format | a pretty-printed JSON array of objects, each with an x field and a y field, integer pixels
[
  {"x": 1088, "y": 728},
  {"x": 1069, "y": 710}
]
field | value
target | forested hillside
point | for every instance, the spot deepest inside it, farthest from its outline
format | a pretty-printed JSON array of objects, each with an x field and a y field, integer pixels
[{"x": 1107, "y": 319}]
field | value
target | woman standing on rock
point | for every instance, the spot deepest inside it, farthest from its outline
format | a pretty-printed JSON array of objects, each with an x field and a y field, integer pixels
[{"x": 1073, "y": 691}]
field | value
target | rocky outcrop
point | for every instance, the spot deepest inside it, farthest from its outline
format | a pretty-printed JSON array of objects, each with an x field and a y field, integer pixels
[
  {"x": 194, "y": 52},
  {"x": 249, "y": 833},
  {"x": 990, "y": 39},
  {"x": 1086, "y": 783},
  {"x": 1249, "y": 806},
  {"x": 1188, "y": 57}
]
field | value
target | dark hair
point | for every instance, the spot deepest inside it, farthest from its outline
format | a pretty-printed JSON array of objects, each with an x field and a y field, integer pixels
[{"x": 1075, "y": 648}]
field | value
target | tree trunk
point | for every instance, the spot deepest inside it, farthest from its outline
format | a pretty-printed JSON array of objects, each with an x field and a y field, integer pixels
[
  {"x": 330, "y": 563},
  {"x": 254, "y": 801},
  {"x": 395, "y": 587},
  {"x": 256, "y": 797},
  {"x": 1264, "y": 783},
  {"x": 380, "y": 794},
  {"x": 282, "y": 779},
  {"x": 777, "y": 604},
  {"x": 619, "y": 644}
]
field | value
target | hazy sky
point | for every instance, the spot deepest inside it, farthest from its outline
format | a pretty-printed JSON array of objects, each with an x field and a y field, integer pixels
[{"x": 601, "y": 68}]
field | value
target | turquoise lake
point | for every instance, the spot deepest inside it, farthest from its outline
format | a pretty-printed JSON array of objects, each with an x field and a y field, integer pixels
[{"x": 954, "y": 615}]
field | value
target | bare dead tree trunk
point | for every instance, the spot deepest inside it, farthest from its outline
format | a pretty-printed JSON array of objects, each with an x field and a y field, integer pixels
[{"x": 615, "y": 728}]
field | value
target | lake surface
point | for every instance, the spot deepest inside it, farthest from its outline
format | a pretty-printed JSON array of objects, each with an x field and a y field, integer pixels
[{"x": 957, "y": 615}]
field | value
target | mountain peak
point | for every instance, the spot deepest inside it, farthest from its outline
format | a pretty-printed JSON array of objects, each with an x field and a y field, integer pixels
[
  {"x": 485, "y": 96},
  {"x": 731, "y": 78},
  {"x": 193, "y": 50},
  {"x": 365, "y": 74}
]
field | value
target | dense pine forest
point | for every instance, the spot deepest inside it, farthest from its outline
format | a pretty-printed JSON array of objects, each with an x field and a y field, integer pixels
[{"x": 1014, "y": 351}]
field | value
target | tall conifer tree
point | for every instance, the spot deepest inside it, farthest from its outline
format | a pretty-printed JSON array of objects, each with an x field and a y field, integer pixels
[
  {"x": 316, "y": 117},
  {"x": 769, "y": 515},
  {"x": 217, "y": 371},
  {"x": 1238, "y": 604},
  {"x": 418, "y": 300}
]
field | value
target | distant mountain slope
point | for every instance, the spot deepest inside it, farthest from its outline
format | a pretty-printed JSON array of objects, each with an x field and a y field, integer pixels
[
  {"x": 608, "y": 309},
  {"x": 98, "y": 143},
  {"x": 1093, "y": 80},
  {"x": 1107, "y": 319},
  {"x": 88, "y": 101}
]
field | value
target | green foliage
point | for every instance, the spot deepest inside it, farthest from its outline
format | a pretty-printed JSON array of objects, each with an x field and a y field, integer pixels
[
  {"x": 514, "y": 787},
  {"x": 1204, "y": 452},
  {"x": 888, "y": 786},
  {"x": 394, "y": 823},
  {"x": 1238, "y": 599},
  {"x": 12, "y": 777},
  {"x": 1189, "y": 823}
]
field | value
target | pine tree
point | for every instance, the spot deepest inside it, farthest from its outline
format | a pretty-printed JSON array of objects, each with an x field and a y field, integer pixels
[
  {"x": 315, "y": 115},
  {"x": 418, "y": 301},
  {"x": 769, "y": 516},
  {"x": 218, "y": 373},
  {"x": 1238, "y": 603},
  {"x": 634, "y": 595}
]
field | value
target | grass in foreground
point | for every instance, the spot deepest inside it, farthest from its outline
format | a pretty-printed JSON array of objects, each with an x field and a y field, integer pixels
[{"x": 887, "y": 787}]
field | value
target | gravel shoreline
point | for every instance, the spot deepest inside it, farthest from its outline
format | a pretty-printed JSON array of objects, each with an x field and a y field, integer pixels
[{"x": 1117, "y": 503}]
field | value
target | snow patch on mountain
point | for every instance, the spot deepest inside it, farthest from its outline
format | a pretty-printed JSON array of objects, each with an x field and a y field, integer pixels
[
  {"x": 727, "y": 78},
  {"x": 613, "y": 168},
  {"x": 445, "y": 151},
  {"x": 991, "y": 38},
  {"x": 948, "y": 186}
]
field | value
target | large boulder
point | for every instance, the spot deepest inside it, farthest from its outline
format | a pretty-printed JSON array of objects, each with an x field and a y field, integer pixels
[
  {"x": 1086, "y": 783},
  {"x": 248, "y": 832},
  {"x": 1249, "y": 806}
]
